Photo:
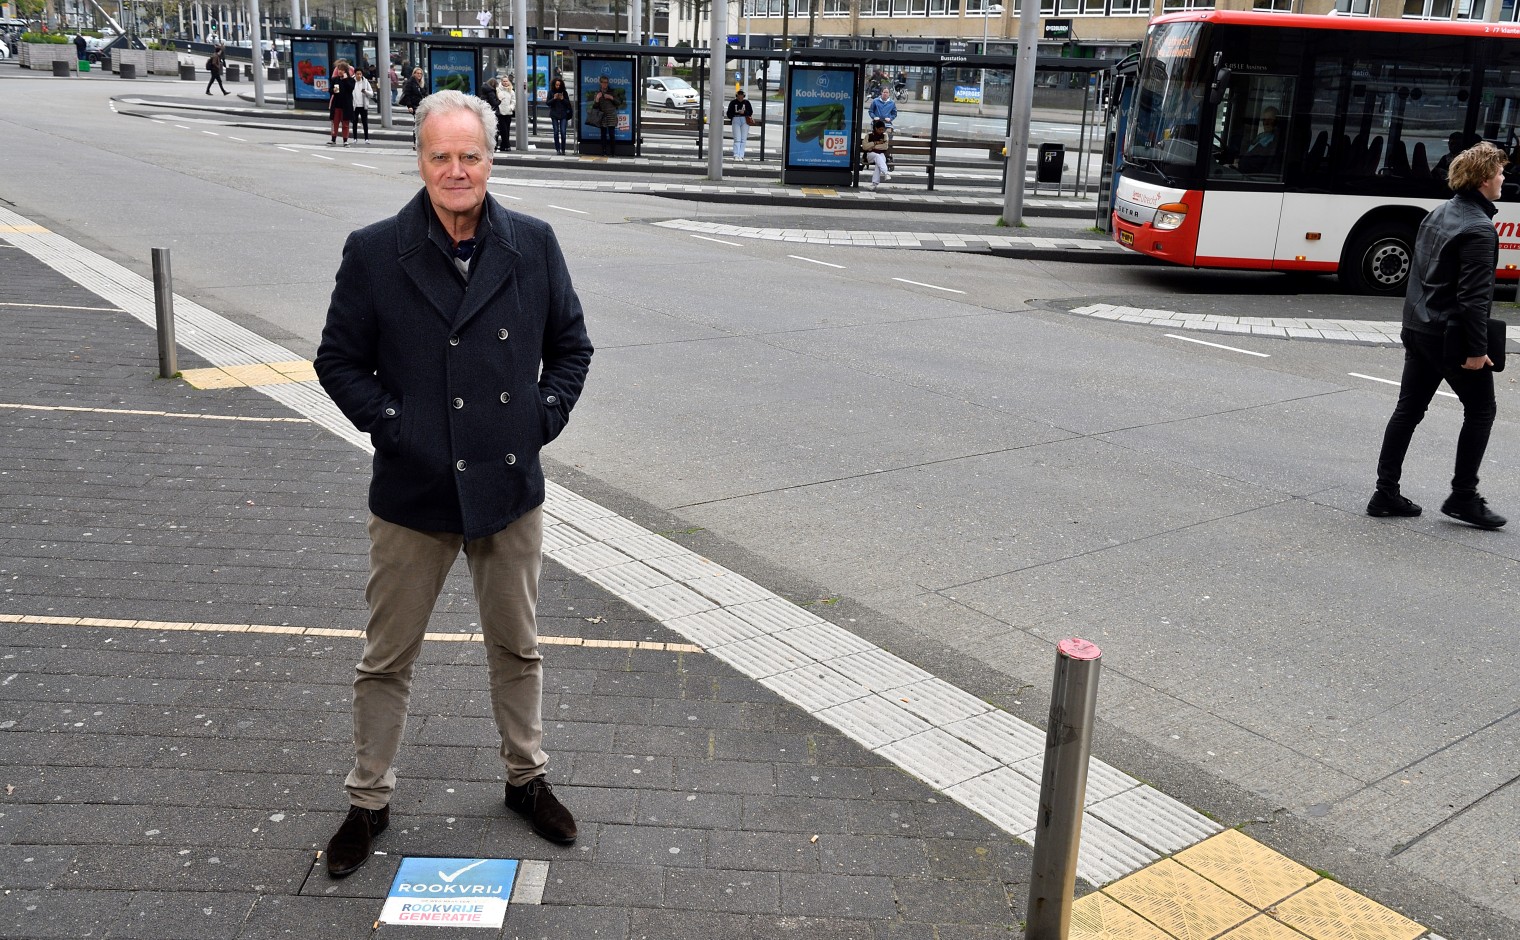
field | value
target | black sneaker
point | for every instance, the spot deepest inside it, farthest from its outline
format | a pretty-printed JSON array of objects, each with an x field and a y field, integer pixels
[
  {"x": 535, "y": 801},
  {"x": 1473, "y": 510},
  {"x": 1384, "y": 504}
]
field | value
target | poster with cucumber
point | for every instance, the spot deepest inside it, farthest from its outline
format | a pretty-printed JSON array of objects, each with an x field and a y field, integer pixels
[
  {"x": 452, "y": 70},
  {"x": 821, "y": 117}
]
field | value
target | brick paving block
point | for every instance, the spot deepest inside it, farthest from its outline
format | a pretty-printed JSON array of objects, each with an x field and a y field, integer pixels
[
  {"x": 773, "y": 746},
  {"x": 665, "y": 740},
  {"x": 700, "y": 775},
  {"x": 944, "y": 901},
  {"x": 699, "y": 810},
  {"x": 663, "y": 846},
  {"x": 762, "y": 851},
  {"x": 57, "y": 913},
  {"x": 624, "y": 770},
  {"x": 34, "y": 866},
  {"x": 734, "y": 892},
  {"x": 584, "y": 883},
  {"x": 649, "y": 924},
  {"x": 183, "y": 916},
  {"x": 282, "y": 917},
  {"x": 373, "y": 881},
  {"x": 854, "y": 783},
  {"x": 552, "y": 922},
  {"x": 828, "y": 895},
  {"x": 896, "y": 856}
]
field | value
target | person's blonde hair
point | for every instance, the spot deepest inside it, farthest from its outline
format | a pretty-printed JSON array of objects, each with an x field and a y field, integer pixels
[{"x": 1474, "y": 166}]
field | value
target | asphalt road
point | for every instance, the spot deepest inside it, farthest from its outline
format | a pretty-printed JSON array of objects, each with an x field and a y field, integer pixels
[{"x": 967, "y": 473}]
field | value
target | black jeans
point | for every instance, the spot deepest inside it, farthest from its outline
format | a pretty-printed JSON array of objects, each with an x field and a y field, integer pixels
[
  {"x": 361, "y": 116},
  {"x": 608, "y": 140},
  {"x": 1423, "y": 372}
]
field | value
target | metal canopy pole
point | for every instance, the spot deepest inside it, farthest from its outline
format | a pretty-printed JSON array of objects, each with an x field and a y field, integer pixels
[
  {"x": 382, "y": 61},
  {"x": 717, "y": 65},
  {"x": 522, "y": 69},
  {"x": 257, "y": 50},
  {"x": 1023, "y": 105}
]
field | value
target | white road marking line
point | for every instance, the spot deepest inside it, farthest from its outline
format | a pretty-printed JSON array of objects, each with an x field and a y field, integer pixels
[
  {"x": 1373, "y": 378},
  {"x": 156, "y": 414},
  {"x": 155, "y": 120},
  {"x": 212, "y": 133},
  {"x": 816, "y": 261},
  {"x": 182, "y": 127},
  {"x": 876, "y": 694},
  {"x": 934, "y": 286},
  {"x": 568, "y": 209},
  {"x": 291, "y": 149},
  {"x": 718, "y": 240},
  {"x": 238, "y": 139},
  {"x": 1189, "y": 339},
  {"x": 61, "y": 307},
  {"x": 367, "y": 166},
  {"x": 323, "y": 156}
]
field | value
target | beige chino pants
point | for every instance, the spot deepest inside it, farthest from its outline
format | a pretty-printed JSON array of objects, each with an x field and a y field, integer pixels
[{"x": 407, "y": 571}]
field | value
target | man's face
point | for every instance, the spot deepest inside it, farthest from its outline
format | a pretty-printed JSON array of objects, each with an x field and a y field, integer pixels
[
  {"x": 883, "y": 94},
  {"x": 1493, "y": 187},
  {"x": 455, "y": 161}
]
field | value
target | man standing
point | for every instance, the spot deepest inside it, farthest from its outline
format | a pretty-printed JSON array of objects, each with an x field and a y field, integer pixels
[
  {"x": 1445, "y": 336},
  {"x": 82, "y": 47},
  {"x": 455, "y": 339}
]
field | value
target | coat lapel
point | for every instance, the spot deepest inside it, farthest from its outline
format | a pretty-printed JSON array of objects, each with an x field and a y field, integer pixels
[
  {"x": 496, "y": 266},
  {"x": 423, "y": 263}
]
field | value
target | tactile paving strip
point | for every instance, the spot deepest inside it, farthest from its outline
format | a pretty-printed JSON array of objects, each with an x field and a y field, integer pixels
[
  {"x": 1179, "y": 901},
  {"x": 1097, "y": 917},
  {"x": 1263, "y": 928},
  {"x": 1329, "y": 911},
  {"x": 1246, "y": 868}
]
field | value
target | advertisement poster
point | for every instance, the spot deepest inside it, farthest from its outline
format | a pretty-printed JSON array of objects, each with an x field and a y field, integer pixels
[
  {"x": 538, "y": 80},
  {"x": 619, "y": 74},
  {"x": 346, "y": 50},
  {"x": 310, "y": 70},
  {"x": 820, "y": 118},
  {"x": 451, "y": 70}
]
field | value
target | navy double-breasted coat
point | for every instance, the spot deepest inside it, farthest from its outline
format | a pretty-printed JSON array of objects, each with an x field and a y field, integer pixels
[{"x": 458, "y": 384}]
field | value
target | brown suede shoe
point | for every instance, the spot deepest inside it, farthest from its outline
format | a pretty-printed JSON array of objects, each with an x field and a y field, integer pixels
[
  {"x": 350, "y": 846},
  {"x": 535, "y": 801}
]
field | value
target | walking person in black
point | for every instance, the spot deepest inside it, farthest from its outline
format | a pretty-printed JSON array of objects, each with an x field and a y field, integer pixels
[
  {"x": 340, "y": 103},
  {"x": 1445, "y": 336},
  {"x": 215, "y": 65},
  {"x": 561, "y": 110}
]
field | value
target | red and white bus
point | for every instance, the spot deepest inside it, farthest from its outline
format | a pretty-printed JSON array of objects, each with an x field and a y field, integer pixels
[{"x": 1275, "y": 142}]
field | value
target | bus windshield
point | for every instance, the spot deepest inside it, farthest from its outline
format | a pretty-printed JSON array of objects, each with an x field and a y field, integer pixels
[{"x": 1165, "y": 131}]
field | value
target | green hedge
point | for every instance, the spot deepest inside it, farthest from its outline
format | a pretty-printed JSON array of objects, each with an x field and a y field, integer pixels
[{"x": 50, "y": 38}]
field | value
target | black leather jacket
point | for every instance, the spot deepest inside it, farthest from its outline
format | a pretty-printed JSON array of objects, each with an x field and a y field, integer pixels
[{"x": 1452, "y": 279}]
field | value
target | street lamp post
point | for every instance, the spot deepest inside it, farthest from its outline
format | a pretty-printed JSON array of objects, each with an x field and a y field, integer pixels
[{"x": 981, "y": 95}]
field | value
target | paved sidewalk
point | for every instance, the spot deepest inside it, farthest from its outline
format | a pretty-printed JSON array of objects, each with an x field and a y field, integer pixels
[{"x": 184, "y": 571}]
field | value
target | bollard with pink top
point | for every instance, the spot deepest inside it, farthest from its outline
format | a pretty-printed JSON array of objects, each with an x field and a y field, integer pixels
[{"x": 1063, "y": 790}]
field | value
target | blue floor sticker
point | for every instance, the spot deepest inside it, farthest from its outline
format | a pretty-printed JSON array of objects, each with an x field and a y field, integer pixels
[{"x": 454, "y": 892}]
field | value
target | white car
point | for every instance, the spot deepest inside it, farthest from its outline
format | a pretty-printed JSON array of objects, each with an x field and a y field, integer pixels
[
  {"x": 670, "y": 91},
  {"x": 5, "y": 51}
]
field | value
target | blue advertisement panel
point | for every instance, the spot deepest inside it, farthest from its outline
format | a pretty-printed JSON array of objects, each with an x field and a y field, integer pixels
[
  {"x": 538, "y": 80},
  {"x": 820, "y": 118},
  {"x": 451, "y": 70},
  {"x": 310, "y": 71},
  {"x": 346, "y": 50},
  {"x": 619, "y": 73}
]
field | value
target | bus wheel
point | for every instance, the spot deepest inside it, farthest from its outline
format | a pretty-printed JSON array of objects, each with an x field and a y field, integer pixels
[{"x": 1379, "y": 259}]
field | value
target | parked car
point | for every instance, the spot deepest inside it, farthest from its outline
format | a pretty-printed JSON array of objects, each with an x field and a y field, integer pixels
[
  {"x": 670, "y": 91},
  {"x": 5, "y": 51}
]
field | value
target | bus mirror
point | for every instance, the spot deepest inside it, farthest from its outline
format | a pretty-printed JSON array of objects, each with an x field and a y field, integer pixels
[{"x": 1221, "y": 83}]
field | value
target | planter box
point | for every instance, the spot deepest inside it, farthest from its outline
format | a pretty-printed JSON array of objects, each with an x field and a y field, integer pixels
[
  {"x": 42, "y": 55},
  {"x": 163, "y": 61},
  {"x": 137, "y": 58}
]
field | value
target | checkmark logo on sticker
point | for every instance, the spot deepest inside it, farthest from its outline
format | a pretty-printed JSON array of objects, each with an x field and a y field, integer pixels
[{"x": 450, "y": 878}]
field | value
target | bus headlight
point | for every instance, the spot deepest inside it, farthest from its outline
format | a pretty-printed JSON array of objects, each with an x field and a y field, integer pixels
[{"x": 1169, "y": 216}]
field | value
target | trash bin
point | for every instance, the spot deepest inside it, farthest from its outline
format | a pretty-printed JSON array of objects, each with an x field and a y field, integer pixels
[
  {"x": 84, "y": 65},
  {"x": 276, "y": 74},
  {"x": 1050, "y": 163},
  {"x": 127, "y": 70},
  {"x": 232, "y": 73},
  {"x": 60, "y": 68},
  {"x": 187, "y": 73}
]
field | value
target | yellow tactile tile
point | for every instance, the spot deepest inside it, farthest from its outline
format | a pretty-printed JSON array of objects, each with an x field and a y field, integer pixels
[
  {"x": 256, "y": 374},
  {"x": 819, "y": 191},
  {"x": 1097, "y": 917},
  {"x": 210, "y": 378},
  {"x": 1246, "y": 868},
  {"x": 1263, "y": 928},
  {"x": 1329, "y": 911},
  {"x": 297, "y": 370},
  {"x": 1178, "y": 901}
]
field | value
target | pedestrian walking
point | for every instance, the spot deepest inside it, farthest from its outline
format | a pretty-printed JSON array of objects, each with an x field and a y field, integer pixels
[
  {"x": 1445, "y": 336},
  {"x": 454, "y": 337},
  {"x": 740, "y": 115},
  {"x": 411, "y": 97},
  {"x": 561, "y": 112},
  {"x": 340, "y": 101},
  {"x": 604, "y": 114},
  {"x": 506, "y": 111},
  {"x": 395, "y": 83},
  {"x": 216, "y": 64},
  {"x": 364, "y": 96},
  {"x": 874, "y": 150}
]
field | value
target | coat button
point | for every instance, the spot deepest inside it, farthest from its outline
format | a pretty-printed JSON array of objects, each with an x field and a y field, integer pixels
[
  {"x": 453, "y": 340},
  {"x": 390, "y": 412},
  {"x": 506, "y": 397},
  {"x": 550, "y": 399},
  {"x": 459, "y": 466},
  {"x": 459, "y": 403},
  {"x": 511, "y": 459},
  {"x": 501, "y": 334}
]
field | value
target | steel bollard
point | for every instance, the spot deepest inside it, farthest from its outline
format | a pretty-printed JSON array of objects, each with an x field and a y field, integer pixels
[
  {"x": 1063, "y": 790},
  {"x": 163, "y": 308}
]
